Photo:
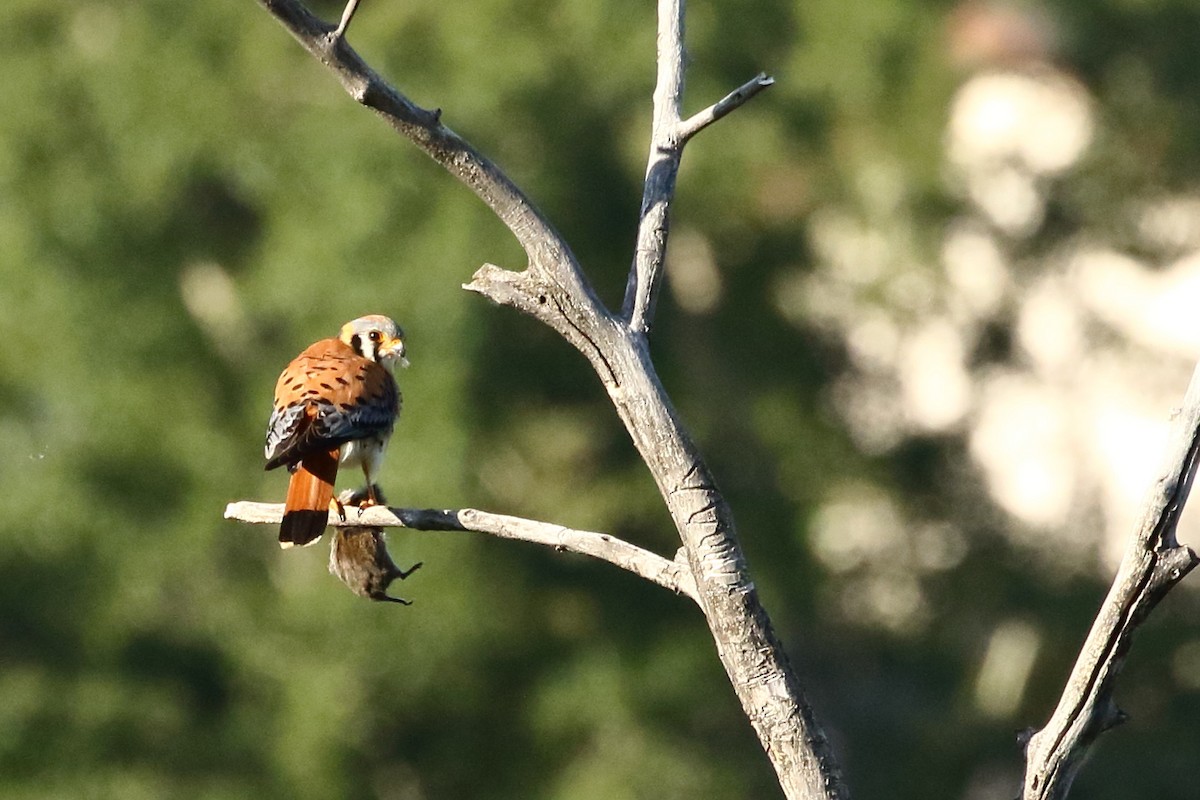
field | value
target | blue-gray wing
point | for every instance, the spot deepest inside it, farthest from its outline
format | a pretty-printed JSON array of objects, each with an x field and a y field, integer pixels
[{"x": 327, "y": 396}]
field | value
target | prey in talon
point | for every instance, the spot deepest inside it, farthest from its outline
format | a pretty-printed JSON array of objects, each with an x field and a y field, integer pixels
[
  {"x": 335, "y": 404},
  {"x": 360, "y": 559}
]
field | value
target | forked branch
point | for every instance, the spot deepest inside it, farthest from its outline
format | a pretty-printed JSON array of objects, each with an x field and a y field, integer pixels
[
  {"x": 1153, "y": 563},
  {"x": 554, "y": 290},
  {"x": 669, "y": 133}
]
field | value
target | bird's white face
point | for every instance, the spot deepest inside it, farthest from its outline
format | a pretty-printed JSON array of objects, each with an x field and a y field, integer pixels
[{"x": 377, "y": 338}]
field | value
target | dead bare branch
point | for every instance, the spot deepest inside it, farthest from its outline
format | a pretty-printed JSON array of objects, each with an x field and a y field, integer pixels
[
  {"x": 670, "y": 574},
  {"x": 554, "y": 290},
  {"x": 669, "y": 133},
  {"x": 548, "y": 253},
  {"x": 735, "y": 99},
  {"x": 1153, "y": 563}
]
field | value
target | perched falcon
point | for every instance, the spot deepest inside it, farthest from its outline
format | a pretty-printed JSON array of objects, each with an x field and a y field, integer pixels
[{"x": 337, "y": 402}]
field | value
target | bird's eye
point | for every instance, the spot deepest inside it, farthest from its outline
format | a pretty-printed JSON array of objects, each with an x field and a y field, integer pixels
[{"x": 374, "y": 336}]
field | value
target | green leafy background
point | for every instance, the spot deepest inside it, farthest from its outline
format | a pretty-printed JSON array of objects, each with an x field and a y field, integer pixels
[{"x": 187, "y": 199}]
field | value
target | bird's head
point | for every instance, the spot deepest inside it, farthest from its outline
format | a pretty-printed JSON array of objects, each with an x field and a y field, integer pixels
[{"x": 376, "y": 337}]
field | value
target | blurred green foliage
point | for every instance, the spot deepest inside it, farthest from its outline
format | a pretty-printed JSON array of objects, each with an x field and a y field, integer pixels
[{"x": 187, "y": 199}]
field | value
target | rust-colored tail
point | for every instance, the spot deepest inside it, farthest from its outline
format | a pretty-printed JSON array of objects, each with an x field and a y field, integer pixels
[{"x": 306, "y": 511}]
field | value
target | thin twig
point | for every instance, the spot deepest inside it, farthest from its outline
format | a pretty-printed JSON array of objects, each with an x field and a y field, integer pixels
[
  {"x": 670, "y": 574},
  {"x": 735, "y": 99},
  {"x": 1153, "y": 563},
  {"x": 347, "y": 17}
]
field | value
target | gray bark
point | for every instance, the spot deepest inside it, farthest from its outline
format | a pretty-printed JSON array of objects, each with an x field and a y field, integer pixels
[{"x": 1153, "y": 563}]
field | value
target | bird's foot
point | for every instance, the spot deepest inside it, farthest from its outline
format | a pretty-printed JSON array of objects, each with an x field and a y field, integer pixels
[
  {"x": 362, "y": 497},
  {"x": 335, "y": 505}
]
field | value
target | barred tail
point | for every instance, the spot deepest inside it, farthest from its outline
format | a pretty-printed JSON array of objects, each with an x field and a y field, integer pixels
[{"x": 310, "y": 491}]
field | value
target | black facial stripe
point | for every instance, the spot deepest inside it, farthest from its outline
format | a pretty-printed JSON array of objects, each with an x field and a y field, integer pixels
[{"x": 356, "y": 343}]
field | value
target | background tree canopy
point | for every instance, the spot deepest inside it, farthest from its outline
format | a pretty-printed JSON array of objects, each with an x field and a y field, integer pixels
[{"x": 931, "y": 299}]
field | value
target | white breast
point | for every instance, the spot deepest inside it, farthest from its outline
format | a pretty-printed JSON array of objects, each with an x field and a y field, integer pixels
[{"x": 369, "y": 450}]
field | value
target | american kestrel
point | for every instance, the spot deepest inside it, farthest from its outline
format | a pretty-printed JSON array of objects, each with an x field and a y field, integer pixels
[{"x": 337, "y": 402}]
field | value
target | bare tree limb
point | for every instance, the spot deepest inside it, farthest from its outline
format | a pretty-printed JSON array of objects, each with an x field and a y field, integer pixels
[
  {"x": 1153, "y": 563},
  {"x": 752, "y": 655},
  {"x": 735, "y": 99},
  {"x": 662, "y": 166},
  {"x": 670, "y": 574},
  {"x": 548, "y": 253},
  {"x": 554, "y": 290},
  {"x": 669, "y": 134}
]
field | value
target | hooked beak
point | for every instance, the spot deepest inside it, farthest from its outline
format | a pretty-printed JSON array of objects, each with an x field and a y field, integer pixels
[{"x": 395, "y": 350}]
